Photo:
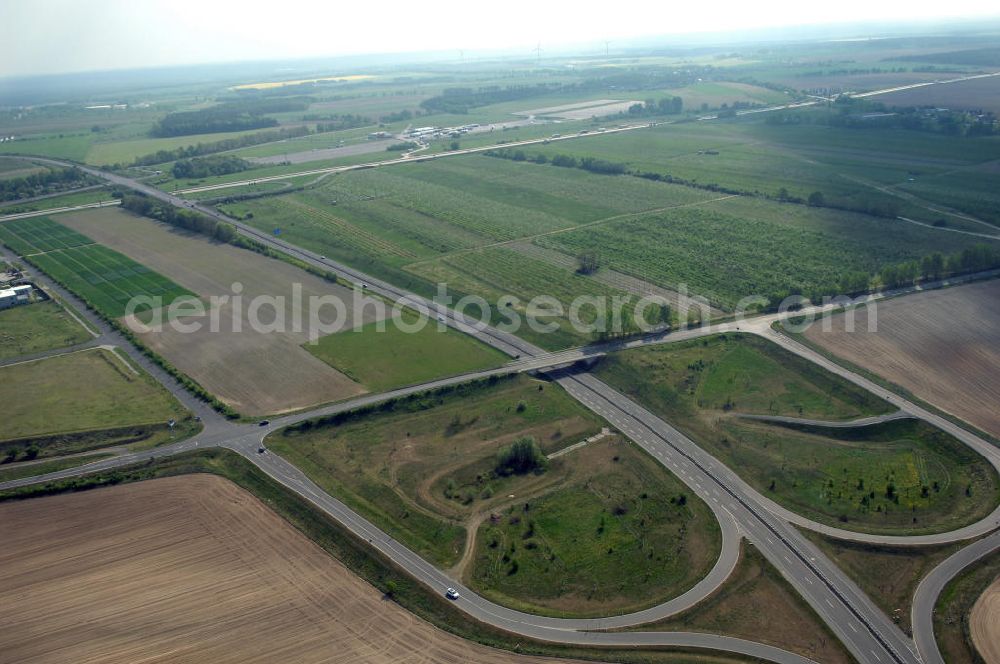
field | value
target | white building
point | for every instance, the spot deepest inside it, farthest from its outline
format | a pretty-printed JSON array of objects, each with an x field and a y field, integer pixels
[{"x": 10, "y": 297}]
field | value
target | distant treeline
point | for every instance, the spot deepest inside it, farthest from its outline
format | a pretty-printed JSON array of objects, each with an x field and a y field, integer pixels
[
  {"x": 398, "y": 116},
  {"x": 337, "y": 122},
  {"x": 648, "y": 78},
  {"x": 229, "y": 116},
  {"x": 202, "y": 167},
  {"x": 862, "y": 114},
  {"x": 977, "y": 57},
  {"x": 461, "y": 100},
  {"x": 46, "y": 182},
  {"x": 199, "y": 149},
  {"x": 663, "y": 106}
]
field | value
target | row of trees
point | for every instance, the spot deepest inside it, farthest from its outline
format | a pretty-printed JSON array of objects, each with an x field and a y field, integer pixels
[
  {"x": 663, "y": 106},
  {"x": 205, "y": 166},
  {"x": 929, "y": 268},
  {"x": 46, "y": 182},
  {"x": 186, "y": 219},
  {"x": 460, "y": 100},
  {"x": 854, "y": 113},
  {"x": 201, "y": 149},
  {"x": 591, "y": 164},
  {"x": 236, "y": 115},
  {"x": 935, "y": 266}
]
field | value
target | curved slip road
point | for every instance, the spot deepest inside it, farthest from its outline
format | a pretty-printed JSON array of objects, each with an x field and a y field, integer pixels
[
  {"x": 826, "y": 424},
  {"x": 930, "y": 588}
]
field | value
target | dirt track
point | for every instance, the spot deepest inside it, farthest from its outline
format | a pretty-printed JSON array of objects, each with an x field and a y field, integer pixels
[
  {"x": 984, "y": 623},
  {"x": 943, "y": 346},
  {"x": 193, "y": 569}
]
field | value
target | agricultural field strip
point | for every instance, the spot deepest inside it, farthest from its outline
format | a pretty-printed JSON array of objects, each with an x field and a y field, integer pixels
[
  {"x": 532, "y": 238},
  {"x": 359, "y": 236},
  {"x": 93, "y": 262},
  {"x": 41, "y": 237}
]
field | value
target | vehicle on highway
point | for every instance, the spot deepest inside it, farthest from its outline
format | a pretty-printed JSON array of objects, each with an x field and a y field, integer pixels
[
  {"x": 261, "y": 449},
  {"x": 264, "y": 423},
  {"x": 451, "y": 593}
]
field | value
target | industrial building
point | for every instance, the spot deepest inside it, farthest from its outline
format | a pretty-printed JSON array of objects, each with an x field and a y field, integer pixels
[{"x": 10, "y": 297}]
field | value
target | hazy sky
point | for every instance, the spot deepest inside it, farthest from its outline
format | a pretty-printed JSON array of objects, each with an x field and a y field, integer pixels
[{"x": 49, "y": 36}]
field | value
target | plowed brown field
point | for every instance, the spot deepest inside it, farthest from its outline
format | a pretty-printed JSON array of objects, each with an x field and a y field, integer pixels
[
  {"x": 193, "y": 569},
  {"x": 984, "y": 624},
  {"x": 943, "y": 346}
]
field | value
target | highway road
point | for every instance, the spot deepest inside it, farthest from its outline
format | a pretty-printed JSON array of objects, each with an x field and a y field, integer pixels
[{"x": 864, "y": 629}]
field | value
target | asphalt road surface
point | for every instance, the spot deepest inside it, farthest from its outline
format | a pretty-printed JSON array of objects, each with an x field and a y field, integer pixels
[{"x": 922, "y": 617}]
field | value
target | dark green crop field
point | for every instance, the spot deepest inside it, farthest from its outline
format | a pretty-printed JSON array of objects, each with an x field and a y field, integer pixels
[
  {"x": 104, "y": 278},
  {"x": 39, "y": 234}
]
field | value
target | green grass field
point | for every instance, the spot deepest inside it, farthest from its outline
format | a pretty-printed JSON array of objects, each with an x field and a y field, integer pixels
[
  {"x": 38, "y": 327},
  {"x": 383, "y": 360},
  {"x": 89, "y": 390},
  {"x": 106, "y": 279},
  {"x": 423, "y": 470},
  {"x": 606, "y": 540},
  {"x": 66, "y": 146},
  {"x": 899, "y": 477}
]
